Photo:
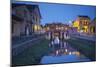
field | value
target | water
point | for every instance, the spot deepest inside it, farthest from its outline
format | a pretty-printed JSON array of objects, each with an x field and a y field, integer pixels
[{"x": 63, "y": 53}]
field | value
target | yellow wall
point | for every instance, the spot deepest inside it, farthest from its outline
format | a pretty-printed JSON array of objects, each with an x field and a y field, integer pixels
[
  {"x": 36, "y": 27},
  {"x": 86, "y": 28},
  {"x": 76, "y": 24}
]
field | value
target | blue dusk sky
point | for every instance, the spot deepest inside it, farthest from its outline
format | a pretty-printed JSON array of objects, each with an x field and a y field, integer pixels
[{"x": 63, "y": 13}]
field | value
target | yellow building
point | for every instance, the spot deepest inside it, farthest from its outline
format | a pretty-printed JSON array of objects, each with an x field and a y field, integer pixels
[
  {"x": 82, "y": 23},
  {"x": 36, "y": 28},
  {"x": 92, "y": 27},
  {"x": 76, "y": 24}
]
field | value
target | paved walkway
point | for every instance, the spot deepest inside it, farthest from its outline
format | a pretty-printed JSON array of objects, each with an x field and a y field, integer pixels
[
  {"x": 18, "y": 48},
  {"x": 25, "y": 42},
  {"x": 91, "y": 38},
  {"x": 20, "y": 39}
]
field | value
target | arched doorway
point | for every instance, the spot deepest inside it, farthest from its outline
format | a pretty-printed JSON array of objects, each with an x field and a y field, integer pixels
[{"x": 92, "y": 29}]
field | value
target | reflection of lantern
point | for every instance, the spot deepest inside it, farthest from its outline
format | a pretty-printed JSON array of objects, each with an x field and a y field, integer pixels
[
  {"x": 57, "y": 52},
  {"x": 66, "y": 50},
  {"x": 76, "y": 53},
  {"x": 70, "y": 53}
]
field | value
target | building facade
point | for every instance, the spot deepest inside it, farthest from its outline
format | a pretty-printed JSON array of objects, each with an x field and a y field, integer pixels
[
  {"x": 37, "y": 19},
  {"x": 56, "y": 26},
  {"x": 23, "y": 18},
  {"x": 82, "y": 24},
  {"x": 56, "y": 29},
  {"x": 92, "y": 27}
]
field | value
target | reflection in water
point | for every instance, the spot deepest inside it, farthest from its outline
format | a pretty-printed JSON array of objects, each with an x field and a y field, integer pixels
[
  {"x": 62, "y": 52},
  {"x": 62, "y": 48},
  {"x": 70, "y": 53},
  {"x": 66, "y": 50},
  {"x": 57, "y": 53}
]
